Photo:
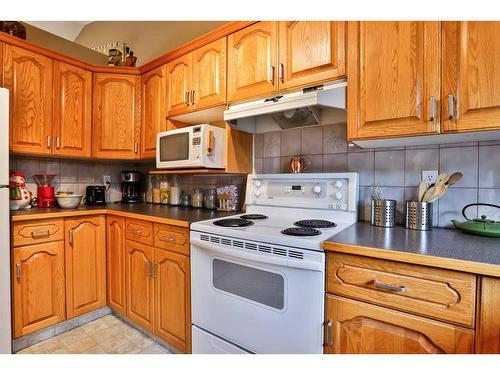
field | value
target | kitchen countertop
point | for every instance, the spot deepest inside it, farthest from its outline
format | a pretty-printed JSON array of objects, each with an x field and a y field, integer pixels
[
  {"x": 443, "y": 248},
  {"x": 174, "y": 215}
]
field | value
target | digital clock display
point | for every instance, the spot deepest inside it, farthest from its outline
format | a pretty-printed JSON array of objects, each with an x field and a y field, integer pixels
[{"x": 296, "y": 187}]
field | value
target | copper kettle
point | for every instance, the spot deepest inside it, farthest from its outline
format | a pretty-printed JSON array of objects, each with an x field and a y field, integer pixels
[{"x": 298, "y": 164}]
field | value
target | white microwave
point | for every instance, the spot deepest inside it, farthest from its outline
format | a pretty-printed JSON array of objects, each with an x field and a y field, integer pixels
[{"x": 199, "y": 146}]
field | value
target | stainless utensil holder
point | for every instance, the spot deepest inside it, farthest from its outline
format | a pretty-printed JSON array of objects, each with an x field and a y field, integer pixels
[
  {"x": 418, "y": 215},
  {"x": 383, "y": 213}
]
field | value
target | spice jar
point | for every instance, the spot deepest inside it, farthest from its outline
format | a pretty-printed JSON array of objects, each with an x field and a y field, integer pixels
[
  {"x": 156, "y": 190},
  {"x": 185, "y": 199},
  {"x": 149, "y": 190},
  {"x": 197, "y": 199},
  {"x": 210, "y": 200}
]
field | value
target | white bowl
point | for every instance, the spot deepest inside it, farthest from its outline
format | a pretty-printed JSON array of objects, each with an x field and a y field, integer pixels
[{"x": 69, "y": 201}]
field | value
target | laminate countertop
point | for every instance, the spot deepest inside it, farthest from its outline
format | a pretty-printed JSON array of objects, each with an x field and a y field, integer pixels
[
  {"x": 173, "y": 215},
  {"x": 439, "y": 247}
]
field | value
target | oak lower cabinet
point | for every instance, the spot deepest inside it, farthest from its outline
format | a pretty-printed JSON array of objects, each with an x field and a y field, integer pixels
[
  {"x": 140, "y": 284},
  {"x": 488, "y": 330},
  {"x": 354, "y": 327},
  {"x": 115, "y": 264},
  {"x": 394, "y": 79},
  {"x": 173, "y": 299},
  {"x": 85, "y": 250},
  {"x": 116, "y": 116},
  {"x": 38, "y": 288}
]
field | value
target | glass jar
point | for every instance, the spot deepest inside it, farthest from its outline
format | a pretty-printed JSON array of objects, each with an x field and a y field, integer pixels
[
  {"x": 156, "y": 190},
  {"x": 164, "y": 189},
  {"x": 175, "y": 191},
  {"x": 197, "y": 198},
  {"x": 210, "y": 200},
  {"x": 185, "y": 199},
  {"x": 149, "y": 189}
]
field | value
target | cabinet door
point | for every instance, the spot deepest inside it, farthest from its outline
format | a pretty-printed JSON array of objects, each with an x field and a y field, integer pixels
[
  {"x": 393, "y": 79},
  {"x": 179, "y": 85},
  {"x": 488, "y": 330},
  {"x": 359, "y": 328},
  {"x": 140, "y": 284},
  {"x": 153, "y": 110},
  {"x": 209, "y": 75},
  {"x": 115, "y": 264},
  {"x": 471, "y": 60},
  {"x": 251, "y": 61},
  {"x": 28, "y": 76},
  {"x": 116, "y": 116},
  {"x": 85, "y": 265},
  {"x": 172, "y": 291},
  {"x": 72, "y": 110},
  {"x": 310, "y": 52},
  {"x": 37, "y": 286}
]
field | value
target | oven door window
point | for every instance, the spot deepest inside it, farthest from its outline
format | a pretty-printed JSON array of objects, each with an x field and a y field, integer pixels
[
  {"x": 174, "y": 147},
  {"x": 254, "y": 284}
]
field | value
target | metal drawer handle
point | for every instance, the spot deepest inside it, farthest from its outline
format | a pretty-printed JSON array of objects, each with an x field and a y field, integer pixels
[
  {"x": 70, "y": 235},
  {"x": 280, "y": 73},
  {"x": 170, "y": 239},
  {"x": 18, "y": 271},
  {"x": 49, "y": 141},
  {"x": 58, "y": 142},
  {"x": 393, "y": 288},
  {"x": 137, "y": 231},
  {"x": 273, "y": 74},
  {"x": 329, "y": 333},
  {"x": 192, "y": 97},
  {"x": 40, "y": 233}
]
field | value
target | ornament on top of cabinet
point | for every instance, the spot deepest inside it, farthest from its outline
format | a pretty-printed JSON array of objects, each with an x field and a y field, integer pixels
[
  {"x": 19, "y": 197},
  {"x": 13, "y": 28}
]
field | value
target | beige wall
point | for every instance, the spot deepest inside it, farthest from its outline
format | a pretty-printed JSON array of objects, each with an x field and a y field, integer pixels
[
  {"x": 64, "y": 46},
  {"x": 148, "y": 39}
]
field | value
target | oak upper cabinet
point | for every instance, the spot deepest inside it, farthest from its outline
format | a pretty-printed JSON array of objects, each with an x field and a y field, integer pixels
[
  {"x": 488, "y": 329},
  {"x": 85, "y": 241},
  {"x": 172, "y": 299},
  {"x": 394, "y": 79},
  {"x": 140, "y": 284},
  {"x": 471, "y": 61},
  {"x": 179, "y": 85},
  {"x": 209, "y": 75},
  {"x": 116, "y": 116},
  {"x": 153, "y": 109},
  {"x": 251, "y": 61},
  {"x": 28, "y": 76},
  {"x": 354, "y": 327},
  {"x": 72, "y": 110},
  {"x": 38, "y": 289},
  {"x": 115, "y": 263},
  {"x": 310, "y": 52}
]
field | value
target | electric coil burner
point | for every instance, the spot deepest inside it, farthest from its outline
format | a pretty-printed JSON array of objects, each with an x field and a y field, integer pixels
[
  {"x": 301, "y": 232},
  {"x": 253, "y": 217},
  {"x": 315, "y": 223},
  {"x": 233, "y": 223}
]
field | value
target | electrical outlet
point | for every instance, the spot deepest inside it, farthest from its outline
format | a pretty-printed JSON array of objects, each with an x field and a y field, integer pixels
[
  {"x": 106, "y": 180},
  {"x": 430, "y": 176}
]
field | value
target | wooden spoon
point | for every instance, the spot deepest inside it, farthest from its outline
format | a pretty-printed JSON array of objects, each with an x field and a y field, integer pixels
[
  {"x": 439, "y": 191},
  {"x": 442, "y": 178},
  {"x": 422, "y": 188},
  {"x": 454, "y": 178},
  {"x": 429, "y": 193}
]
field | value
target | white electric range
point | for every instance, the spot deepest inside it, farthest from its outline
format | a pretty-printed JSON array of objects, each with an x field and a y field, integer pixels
[{"x": 257, "y": 279}]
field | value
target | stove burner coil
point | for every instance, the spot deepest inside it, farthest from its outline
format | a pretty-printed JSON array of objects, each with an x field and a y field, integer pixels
[
  {"x": 233, "y": 223},
  {"x": 315, "y": 223},
  {"x": 253, "y": 217},
  {"x": 302, "y": 232}
]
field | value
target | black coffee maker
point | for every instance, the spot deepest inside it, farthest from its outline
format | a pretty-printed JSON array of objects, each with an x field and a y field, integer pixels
[{"x": 131, "y": 186}]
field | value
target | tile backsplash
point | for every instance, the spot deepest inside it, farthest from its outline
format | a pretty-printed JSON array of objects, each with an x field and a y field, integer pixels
[{"x": 397, "y": 170}]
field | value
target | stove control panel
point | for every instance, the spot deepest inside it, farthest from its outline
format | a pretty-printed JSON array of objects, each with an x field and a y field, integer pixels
[{"x": 338, "y": 192}]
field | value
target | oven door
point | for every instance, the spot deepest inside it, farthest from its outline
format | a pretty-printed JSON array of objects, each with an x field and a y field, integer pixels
[
  {"x": 255, "y": 301},
  {"x": 173, "y": 149}
]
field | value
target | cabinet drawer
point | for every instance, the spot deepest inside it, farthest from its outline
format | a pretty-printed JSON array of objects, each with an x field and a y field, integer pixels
[
  {"x": 173, "y": 238},
  {"x": 140, "y": 231},
  {"x": 37, "y": 231},
  {"x": 442, "y": 294}
]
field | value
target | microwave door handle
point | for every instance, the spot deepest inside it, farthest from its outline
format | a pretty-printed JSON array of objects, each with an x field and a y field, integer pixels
[{"x": 259, "y": 257}]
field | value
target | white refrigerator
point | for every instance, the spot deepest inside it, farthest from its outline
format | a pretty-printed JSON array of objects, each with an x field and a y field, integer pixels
[{"x": 5, "y": 316}]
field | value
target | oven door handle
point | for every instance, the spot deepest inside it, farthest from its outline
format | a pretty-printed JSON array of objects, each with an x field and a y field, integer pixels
[{"x": 261, "y": 257}]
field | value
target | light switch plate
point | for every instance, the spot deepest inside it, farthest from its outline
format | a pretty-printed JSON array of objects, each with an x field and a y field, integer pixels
[{"x": 430, "y": 176}]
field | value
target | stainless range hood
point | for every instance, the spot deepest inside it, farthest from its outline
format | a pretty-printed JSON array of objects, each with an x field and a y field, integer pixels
[{"x": 294, "y": 109}]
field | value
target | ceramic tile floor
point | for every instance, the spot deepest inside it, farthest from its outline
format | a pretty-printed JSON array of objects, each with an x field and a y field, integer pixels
[{"x": 106, "y": 335}]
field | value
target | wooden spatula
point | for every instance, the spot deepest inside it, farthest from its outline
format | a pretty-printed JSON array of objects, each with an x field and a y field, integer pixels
[
  {"x": 439, "y": 191},
  {"x": 454, "y": 178},
  {"x": 422, "y": 188}
]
